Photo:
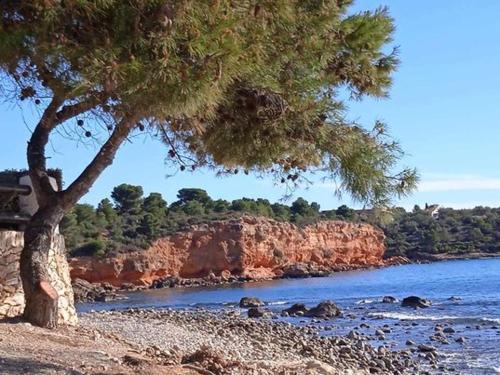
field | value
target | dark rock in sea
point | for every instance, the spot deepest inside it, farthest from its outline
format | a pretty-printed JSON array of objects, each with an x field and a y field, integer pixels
[
  {"x": 256, "y": 312},
  {"x": 325, "y": 309},
  {"x": 409, "y": 343},
  {"x": 460, "y": 340},
  {"x": 448, "y": 330},
  {"x": 415, "y": 302},
  {"x": 426, "y": 348},
  {"x": 389, "y": 299},
  {"x": 379, "y": 332},
  {"x": 247, "y": 302},
  {"x": 430, "y": 356},
  {"x": 455, "y": 298},
  {"x": 297, "y": 309},
  {"x": 439, "y": 337}
]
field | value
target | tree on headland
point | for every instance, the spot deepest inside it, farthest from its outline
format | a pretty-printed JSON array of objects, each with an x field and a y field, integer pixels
[
  {"x": 127, "y": 198},
  {"x": 229, "y": 85}
]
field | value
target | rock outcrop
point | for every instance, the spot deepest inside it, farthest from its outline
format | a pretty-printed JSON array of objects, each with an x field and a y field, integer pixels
[
  {"x": 415, "y": 302},
  {"x": 254, "y": 248},
  {"x": 11, "y": 290}
]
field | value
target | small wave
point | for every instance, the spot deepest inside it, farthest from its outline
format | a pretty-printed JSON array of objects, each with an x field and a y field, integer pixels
[
  {"x": 403, "y": 316},
  {"x": 481, "y": 363},
  {"x": 364, "y": 301},
  {"x": 278, "y": 303},
  {"x": 202, "y": 305},
  {"x": 491, "y": 320}
]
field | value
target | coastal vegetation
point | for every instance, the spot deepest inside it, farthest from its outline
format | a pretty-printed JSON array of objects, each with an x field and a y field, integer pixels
[
  {"x": 130, "y": 221},
  {"x": 256, "y": 87}
]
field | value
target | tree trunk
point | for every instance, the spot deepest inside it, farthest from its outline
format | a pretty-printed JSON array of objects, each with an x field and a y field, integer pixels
[{"x": 41, "y": 298}]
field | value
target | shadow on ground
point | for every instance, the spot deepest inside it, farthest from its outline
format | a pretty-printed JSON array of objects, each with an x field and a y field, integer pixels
[{"x": 28, "y": 366}]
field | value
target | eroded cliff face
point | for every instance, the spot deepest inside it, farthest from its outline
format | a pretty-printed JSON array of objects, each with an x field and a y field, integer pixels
[{"x": 249, "y": 247}]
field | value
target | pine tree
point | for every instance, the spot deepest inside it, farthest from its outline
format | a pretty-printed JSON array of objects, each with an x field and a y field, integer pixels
[{"x": 228, "y": 85}]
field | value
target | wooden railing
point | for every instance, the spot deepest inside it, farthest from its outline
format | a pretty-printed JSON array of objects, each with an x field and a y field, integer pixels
[{"x": 15, "y": 189}]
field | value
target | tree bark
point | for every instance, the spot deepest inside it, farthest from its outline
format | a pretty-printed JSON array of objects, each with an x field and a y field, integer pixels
[{"x": 41, "y": 298}]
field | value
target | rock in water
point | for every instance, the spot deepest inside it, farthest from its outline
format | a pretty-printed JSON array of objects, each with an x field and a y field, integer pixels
[
  {"x": 426, "y": 348},
  {"x": 88, "y": 292},
  {"x": 460, "y": 340},
  {"x": 247, "y": 302},
  {"x": 415, "y": 302},
  {"x": 297, "y": 309},
  {"x": 326, "y": 309},
  {"x": 256, "y": 312},
  {"x": 389, "y": 299}
]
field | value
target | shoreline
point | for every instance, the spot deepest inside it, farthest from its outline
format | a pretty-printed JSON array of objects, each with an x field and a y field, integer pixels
[{"x": 105, "y": 292}]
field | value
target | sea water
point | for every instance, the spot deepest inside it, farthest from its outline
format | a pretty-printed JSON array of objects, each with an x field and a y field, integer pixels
[{"x": 465, "y": 295}]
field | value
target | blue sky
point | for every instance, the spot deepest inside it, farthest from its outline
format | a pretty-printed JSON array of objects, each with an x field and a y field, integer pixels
[{"x": 444, "y": 109}]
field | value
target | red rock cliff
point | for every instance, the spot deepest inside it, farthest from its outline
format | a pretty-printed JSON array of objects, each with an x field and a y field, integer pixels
[{"x": 253, "y": 247}]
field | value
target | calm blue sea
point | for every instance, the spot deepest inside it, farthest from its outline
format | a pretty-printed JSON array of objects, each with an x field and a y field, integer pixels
[{"x": 476, "y": 316}]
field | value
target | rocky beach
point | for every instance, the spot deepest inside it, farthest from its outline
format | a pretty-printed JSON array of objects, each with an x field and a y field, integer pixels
[{"x": 228, "y": 342}]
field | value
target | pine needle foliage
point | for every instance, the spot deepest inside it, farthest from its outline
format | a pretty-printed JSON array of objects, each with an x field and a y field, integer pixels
[{"x": 235, "y": 85}]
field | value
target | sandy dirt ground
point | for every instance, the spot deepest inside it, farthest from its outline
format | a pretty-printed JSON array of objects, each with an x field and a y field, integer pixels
[{"x": 25, "y": 349}]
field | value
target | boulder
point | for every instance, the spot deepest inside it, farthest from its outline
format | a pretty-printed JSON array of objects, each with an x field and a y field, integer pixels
[
  {"x": 256, "y": 312},
  {"x": 89, "y": 292},
  {"x": 460, "y": 340},
  {"x": 166, "y": 282},
  {"x": 415, "y": 302},
  {"x": 389, "y": 299},
  {"x": 426, "y": 348},
  {"x": 225, "y": 275},
  {"x": 296, "y": 271},
  {"x": 247, "y": 302},
  {"x": 297, "y": 309},
  {"x": 325, "y": 309},
  {"x": 379, "y": 333}
]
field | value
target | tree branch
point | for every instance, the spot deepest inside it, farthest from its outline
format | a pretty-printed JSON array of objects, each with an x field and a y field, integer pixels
[
  {"x": 70, "y": 111},
  {"x": 36, "y": 151},
  {"x": 104, "y": 158}
]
